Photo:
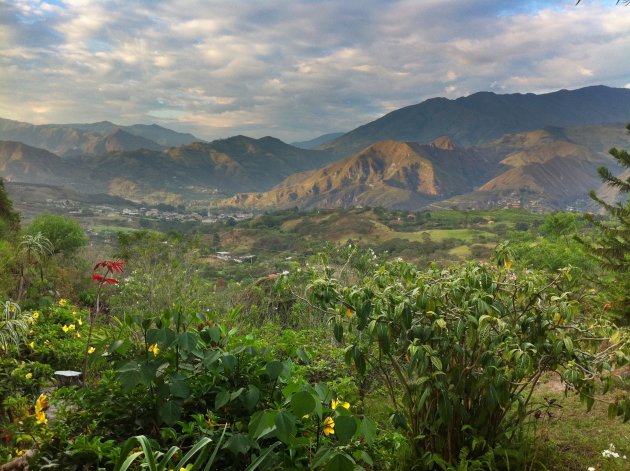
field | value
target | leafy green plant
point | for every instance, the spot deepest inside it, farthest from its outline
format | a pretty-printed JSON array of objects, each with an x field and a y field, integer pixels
[
  {"x": 156, "y": 461},
  {"x": 611, "y": 247},
  {"x": 461, "y": 350},
  {"x": 58, "y": 336},
  {"x": 32, "y": 251},
  {"x": 14, "y": 325}
]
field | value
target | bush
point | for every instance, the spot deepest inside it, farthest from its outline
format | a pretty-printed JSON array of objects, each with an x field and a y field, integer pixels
[
  {"x": 460, "y": 350},
  {"x": 65, "y": 234}
]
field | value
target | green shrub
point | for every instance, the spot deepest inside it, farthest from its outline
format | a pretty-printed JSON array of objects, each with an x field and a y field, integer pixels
[{"x": 460, "y": 350}]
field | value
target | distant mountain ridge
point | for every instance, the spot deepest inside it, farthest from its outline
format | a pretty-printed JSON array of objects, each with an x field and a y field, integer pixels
[
  {"x": 389, "y": 173},
  {"x": 91, "y": 139},
  {"x": 19, "y": 162},
  {"x": 158, "y": 134},
  {"x": 485, "y": 116},
  {"x": 546, "y": 164},
  {"x": 235, "y": 164},
  {"x": 318, "y": 141},
  {"x": 434, "y": 162}
]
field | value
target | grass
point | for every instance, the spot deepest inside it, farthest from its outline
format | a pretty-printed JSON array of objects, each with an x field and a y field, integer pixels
[
  {"x": 575, "y": 438},
  {"x": 462, "y": 252},
  {"x": 465, "y": 235},
  {"x": 102, "y": 228},
  {"x": 512, "y": 216}
]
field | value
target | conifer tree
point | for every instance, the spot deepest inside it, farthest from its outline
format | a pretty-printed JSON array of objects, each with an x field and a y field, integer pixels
[{"x": 612, "y": 244}]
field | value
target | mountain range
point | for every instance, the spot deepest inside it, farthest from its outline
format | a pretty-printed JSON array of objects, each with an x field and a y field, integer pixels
[
  {"x": 476, "y": 150},
  {"x": 485, "y": 116},
  {"x": 553, "y": 169},
  {"x": 92, "y": 139}
]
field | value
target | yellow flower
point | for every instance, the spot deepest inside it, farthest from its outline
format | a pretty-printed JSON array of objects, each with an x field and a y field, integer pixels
[
  {"x": 348, "y": 312},
  {"x": 36, "y": 315},
  {"x": 508, "y": 264},
  {"x": 40, "y": 406},
  {"x": 63, "y": 302},
  {"x": 41, "y": 418},
  {"x": 19, "y": 452},
  {"x": 329, "y": 426},
  {"x": 65, "y": 328},
  {"x": 334, "y": 404},
  {"x": 28, "y": 375},
  {"x": 154, "y": 349},
  {"x": 71, "y": 327},
  {"x": 31, "y": 345},
  {"x": 79, "y": 321},
  {"x": 91, "y": 350},
  {"x": 41, "y": 403}
]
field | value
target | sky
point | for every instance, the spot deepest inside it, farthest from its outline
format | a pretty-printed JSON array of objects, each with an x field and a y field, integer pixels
[{"x": 293, "y": 69}]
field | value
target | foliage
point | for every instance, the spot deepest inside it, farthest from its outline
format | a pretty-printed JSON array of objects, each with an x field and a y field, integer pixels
[
  {"x": 65, "y": 234},
  {"x": 32, "y": 251},
  {"x": 58, "y": 336},
  {"x": 112, "y": 268},
  {"x": 9, "y": 218},
  {"x": 162, "y": 271},
  {"x": 560, "y": 224},
  {"x": 14, "y": 325},
  {"x": 460, "y": 350},
  {"x": 156, "y": 461},
  {"x": 611, "y": 248}
]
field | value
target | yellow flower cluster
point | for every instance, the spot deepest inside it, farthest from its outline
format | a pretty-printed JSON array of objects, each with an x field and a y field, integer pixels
[
  {"x": 63, "y": 302},
  {"x": 67, "y": 328},
  {"x": 334, "y": 404},
  {"x": 40, "y": 406},
  {"x": 329, "y": 426},
  {"x": 154, "y": 349}
]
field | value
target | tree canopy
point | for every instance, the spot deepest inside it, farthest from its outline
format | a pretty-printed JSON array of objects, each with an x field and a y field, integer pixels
[{"x": 64, "y": 234}]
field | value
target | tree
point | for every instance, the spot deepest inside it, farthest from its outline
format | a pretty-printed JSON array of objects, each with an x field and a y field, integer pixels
[
  {"x": 32, "y": 250},
  {"x": 9, "y": 218},
  {"x": 612, "y": 244},
  {"x": 65, "y": 234}
]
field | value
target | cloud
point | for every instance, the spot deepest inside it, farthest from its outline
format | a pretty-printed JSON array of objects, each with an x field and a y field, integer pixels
[{"x": 290, "y": 68}]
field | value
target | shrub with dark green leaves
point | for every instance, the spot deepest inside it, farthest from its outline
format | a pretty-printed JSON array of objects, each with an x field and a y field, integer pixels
[{"x": 460, "y": 350}]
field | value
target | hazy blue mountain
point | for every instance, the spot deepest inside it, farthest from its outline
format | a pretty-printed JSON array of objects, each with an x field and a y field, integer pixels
[
  {"x": 91, "y": 139},
  {"x": 486, "y": 116},
  {"x": 318, "y": 141},
  {"x": 163, "y": 136}
]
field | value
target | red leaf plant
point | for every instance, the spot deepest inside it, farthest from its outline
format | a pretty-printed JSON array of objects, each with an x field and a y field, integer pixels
[{"x": 111, "y": 267}]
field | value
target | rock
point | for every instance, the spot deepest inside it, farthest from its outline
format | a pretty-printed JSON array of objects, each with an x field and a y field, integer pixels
[{"x": 68, "y": 378}]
